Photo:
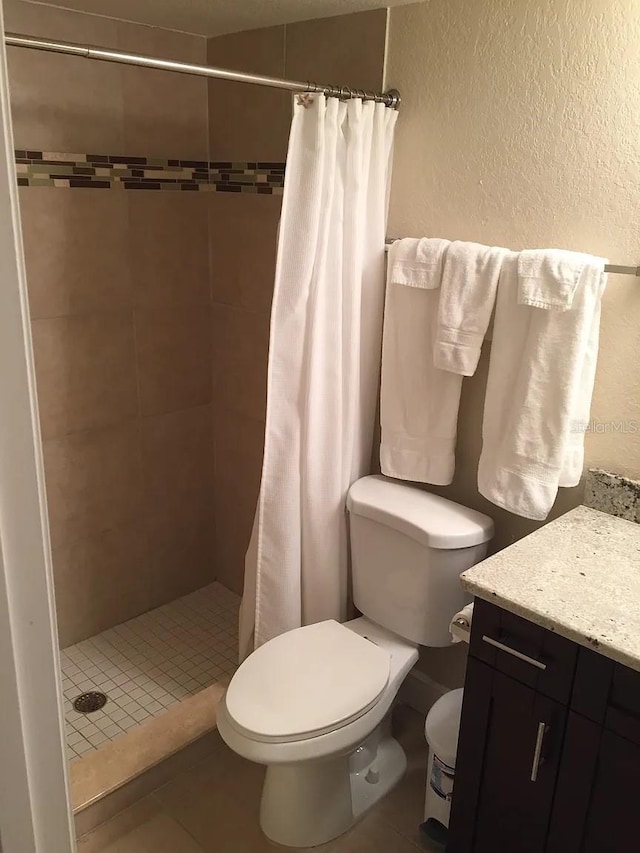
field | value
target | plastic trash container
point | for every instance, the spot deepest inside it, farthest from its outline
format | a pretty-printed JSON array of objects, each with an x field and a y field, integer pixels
[{"x": 441, "y": 731}]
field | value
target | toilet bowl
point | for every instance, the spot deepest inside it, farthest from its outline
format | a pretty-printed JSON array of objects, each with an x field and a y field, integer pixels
[
  {"x": 337, "y": 757},
  {"x": 314, "y": 704}
]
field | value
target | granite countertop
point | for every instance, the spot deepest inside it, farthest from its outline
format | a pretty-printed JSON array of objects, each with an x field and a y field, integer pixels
[{"x": 578, "y": 576}]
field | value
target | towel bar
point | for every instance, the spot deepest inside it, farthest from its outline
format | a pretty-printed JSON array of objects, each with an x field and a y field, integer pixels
[{"x": 616, "y": 269}]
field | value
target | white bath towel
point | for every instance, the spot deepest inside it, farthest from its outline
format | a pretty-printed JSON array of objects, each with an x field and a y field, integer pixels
[
  {"x": 539, "y": 386},
  {"x": 418, "y": 402},
  {"x": 547, "y": 278},
  {"x": 573, "y": 456},
  {"x": 467, "y": 297}
]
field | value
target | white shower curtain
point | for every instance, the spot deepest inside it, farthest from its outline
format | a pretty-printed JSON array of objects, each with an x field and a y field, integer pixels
[{"x": 324, "y": 363}]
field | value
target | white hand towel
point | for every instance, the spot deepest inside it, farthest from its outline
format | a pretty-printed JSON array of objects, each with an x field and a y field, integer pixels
[
  {"x": 547, "y": 278},
  {"x": 467, "y": 297},
  {"x": 460, "y": 626},
  {"x": 540, "y": 382},
  {"x": 418, "y": 402},
  {"x": 416, "y": 262}
]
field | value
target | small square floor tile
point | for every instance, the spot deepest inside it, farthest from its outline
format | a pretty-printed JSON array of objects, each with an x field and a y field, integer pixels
[{"x": 146, "y": 665}]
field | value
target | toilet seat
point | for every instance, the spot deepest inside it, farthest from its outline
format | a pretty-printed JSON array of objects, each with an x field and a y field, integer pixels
[{"x": 307, "y": 682}]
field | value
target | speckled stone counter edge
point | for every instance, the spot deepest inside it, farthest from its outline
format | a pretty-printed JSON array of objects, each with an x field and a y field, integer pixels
[
  {"x": 564, "y": 594},
  {"x": 613, "y": 494},
  {"x": 610, "y": 649}
]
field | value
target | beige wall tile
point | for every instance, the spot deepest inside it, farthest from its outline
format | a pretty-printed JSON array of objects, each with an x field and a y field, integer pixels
[
  {"x": 100, "y": 581},
  {"x": 248, "y": 122},
  {"x": 177, "y": 451},
  {"x": 168, "y": 248},
  {"x": 75, "y": 244},
  {"x": 92, "y": 256},
  {"x": 165, "y": 114},
  {"x": 344, "y": 50},
  {"x": 174, "y": 358},
  {"x": 63, "y": 103},
  {"x": 181, "y": 545},
  {"x": 177, "y": 456},
  {"x": 85, "y": 371},
  {"x": 94, "y": 481},
  {"x": 240, "y": 350},
  {"x": 243, "y": 228},
  {"x": 239, "y": 443}
]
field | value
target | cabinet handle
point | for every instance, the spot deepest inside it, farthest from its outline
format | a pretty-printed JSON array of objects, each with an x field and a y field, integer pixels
[
  {"x": 537, "y": 752},
  {"x": 516, "y": 654}
]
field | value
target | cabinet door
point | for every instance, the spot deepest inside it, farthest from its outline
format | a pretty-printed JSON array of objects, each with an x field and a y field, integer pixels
[
  {"x": 503, "y": 802},
  {"x": 596, "y": 805},
  {"x": 612, "y": 822}
]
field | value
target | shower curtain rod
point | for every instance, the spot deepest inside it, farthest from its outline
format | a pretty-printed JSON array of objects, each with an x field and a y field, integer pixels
[
  {"x": 611, "y": 268},
  {"x": 390, "y": 98}
]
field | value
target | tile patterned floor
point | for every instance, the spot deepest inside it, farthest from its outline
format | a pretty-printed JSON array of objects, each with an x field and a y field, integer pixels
[
  {"x": 213, "y": 807},
  {"x": 149, "y": 663}
]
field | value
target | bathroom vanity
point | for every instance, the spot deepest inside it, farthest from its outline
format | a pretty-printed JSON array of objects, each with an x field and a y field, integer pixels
[{"x": 549, "y": 747}]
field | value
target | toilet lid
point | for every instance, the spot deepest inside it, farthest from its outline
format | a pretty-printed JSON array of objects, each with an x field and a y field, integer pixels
[{"x": 307, "y": 682}]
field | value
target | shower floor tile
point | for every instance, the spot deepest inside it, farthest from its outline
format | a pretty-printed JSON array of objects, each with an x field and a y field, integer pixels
[{"x": 149, "y": 663}]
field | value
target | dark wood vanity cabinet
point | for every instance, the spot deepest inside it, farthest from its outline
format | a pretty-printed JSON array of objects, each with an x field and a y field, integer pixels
[{"x": 549, "y": 748}]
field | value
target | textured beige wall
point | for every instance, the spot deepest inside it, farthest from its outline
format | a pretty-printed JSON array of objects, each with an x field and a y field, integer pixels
[{"x": 520, "y": 126}]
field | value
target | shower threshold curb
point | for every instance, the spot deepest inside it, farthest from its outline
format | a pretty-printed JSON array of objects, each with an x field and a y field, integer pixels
[{"x": 102, "y": 773}]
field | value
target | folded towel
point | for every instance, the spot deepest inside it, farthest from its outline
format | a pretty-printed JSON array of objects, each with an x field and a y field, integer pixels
[
  {"x": 547, "y": 278},
  {"x": 416, "y": 262},
  {"x": 467, "y": 296},
  {"x": 540, "y": 383},
  {"x": 418, "y": 402},
  {"x": 460, "y": 627}
]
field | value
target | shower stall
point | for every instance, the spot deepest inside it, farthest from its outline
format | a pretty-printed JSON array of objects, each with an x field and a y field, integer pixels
[{"x": 149, "y": 206}]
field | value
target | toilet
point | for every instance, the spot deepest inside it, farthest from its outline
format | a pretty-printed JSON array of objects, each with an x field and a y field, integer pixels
[{"x": 314, "y": 704}]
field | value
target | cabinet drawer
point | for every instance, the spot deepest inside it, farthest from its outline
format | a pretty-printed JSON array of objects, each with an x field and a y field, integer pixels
[{"x": 529, "y": 653}]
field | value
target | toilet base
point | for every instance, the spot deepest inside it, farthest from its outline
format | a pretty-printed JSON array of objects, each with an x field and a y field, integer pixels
[{"x": 309, "y": 803}]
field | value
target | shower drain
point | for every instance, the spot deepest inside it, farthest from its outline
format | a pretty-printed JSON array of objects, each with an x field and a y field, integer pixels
[{"x": 86, "y": 703}]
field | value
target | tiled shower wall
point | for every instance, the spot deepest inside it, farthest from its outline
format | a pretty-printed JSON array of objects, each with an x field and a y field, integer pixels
[
  {"x": 150, "y": 310},
  {"x": 250, "y": 123},
  {"x": 120, "y": 300}
]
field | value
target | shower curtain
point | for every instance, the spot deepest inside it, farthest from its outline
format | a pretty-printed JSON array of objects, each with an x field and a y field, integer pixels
[{"x": 324, "y": 363}]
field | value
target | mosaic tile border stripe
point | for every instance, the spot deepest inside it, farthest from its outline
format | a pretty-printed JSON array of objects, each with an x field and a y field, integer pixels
[{"x": 105, "y": 171}]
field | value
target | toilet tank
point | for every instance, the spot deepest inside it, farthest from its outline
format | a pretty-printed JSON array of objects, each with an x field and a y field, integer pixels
[{"x": 408, "y": 549}]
